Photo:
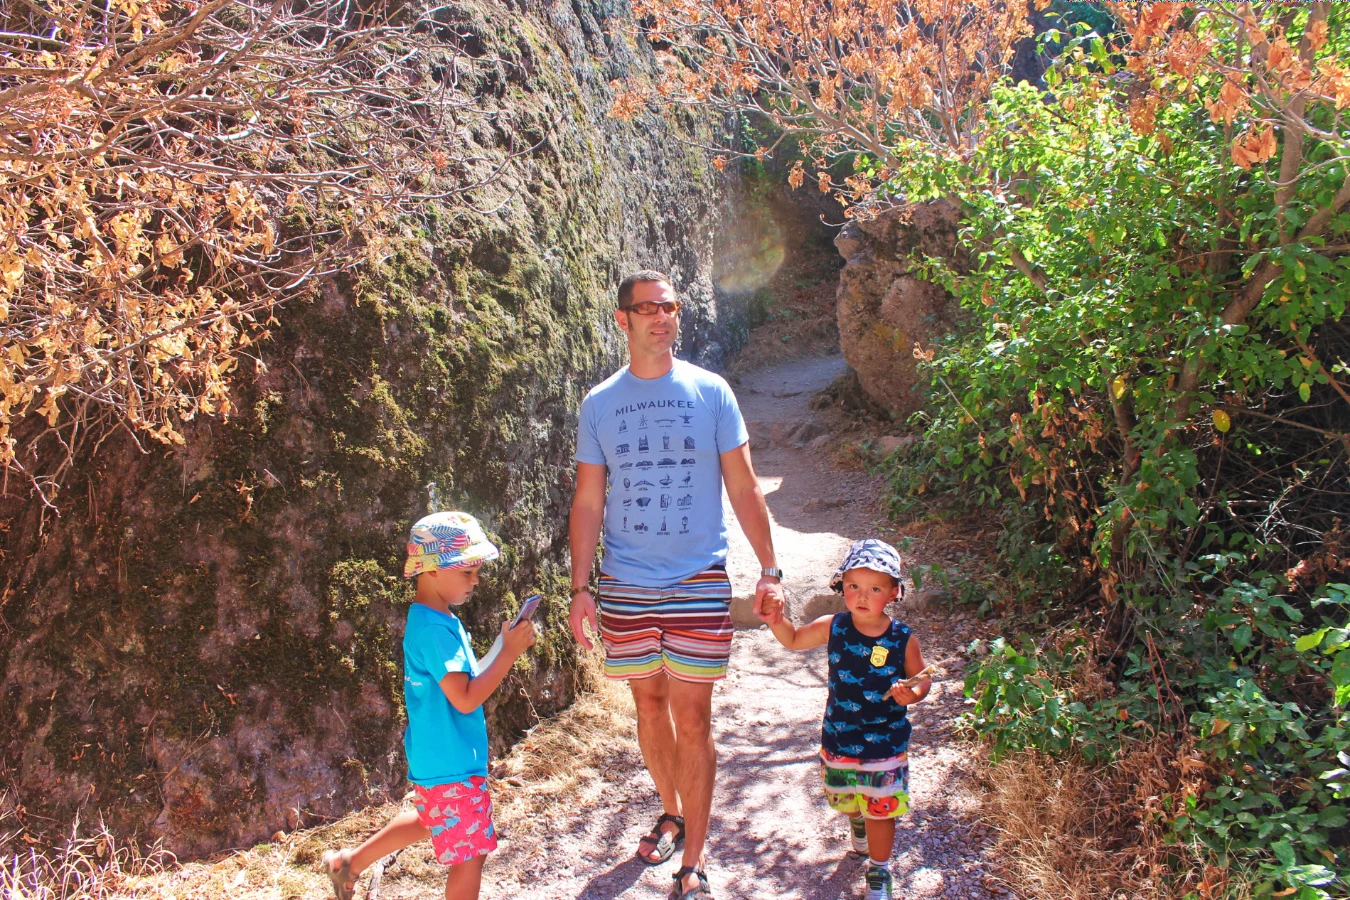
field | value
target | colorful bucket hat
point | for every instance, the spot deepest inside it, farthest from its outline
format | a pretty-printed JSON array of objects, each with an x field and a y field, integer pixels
[
  {"x": 447, "y": 540},
  {"x": 873, "y": 554}
]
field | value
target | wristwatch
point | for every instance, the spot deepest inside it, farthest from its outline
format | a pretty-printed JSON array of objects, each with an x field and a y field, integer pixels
[{"x": 771, "y": 572}]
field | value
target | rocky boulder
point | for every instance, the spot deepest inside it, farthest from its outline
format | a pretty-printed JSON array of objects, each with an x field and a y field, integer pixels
[
  {"x": 884, "y": 307},
  {"x": 205, "y": 646}
]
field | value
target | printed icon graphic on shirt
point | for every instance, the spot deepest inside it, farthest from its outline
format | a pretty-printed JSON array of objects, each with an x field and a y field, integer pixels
[
  {"x": 688, "y": 477},
  {"x": 627, "y": 484},
  {"x": 643, "y": 485},
  {"x": 642, "y": 444},
  {"x": 623, "y": 426},
  {"x": 642, "y": 421},
  {"x": 666, "y": 463},
  {"x": 623, "y": 466},
  {"x": 879, "y": 654},
  {"x": 641, "y": 528},
  {"x": 621, "y": 449},
  {"x": 688, "y": 461},
  {"x": 663, "y": 529},
  {"x": 665, "y": 442},
  {"x": 627, "y": 502},
  {"x": 625, "y": 523},
  {"x": 687, "y": 419},
  {"x": 665, "y": 422},
  {"x": 666, "y": 481},
  {"x": 644, "y": 502},
  {"x": 686, "y": 501},
  {"x": 645, "y": 464},
  {"x": 665, "y": 501},
  {"x": 684, "y": 524},
  {"x": 689, "y": 443}
]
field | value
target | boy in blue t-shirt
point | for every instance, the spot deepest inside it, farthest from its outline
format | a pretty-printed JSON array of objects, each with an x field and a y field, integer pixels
[
  {"x": 446, "y": 740},
  {"x": 876, "y": 672}
]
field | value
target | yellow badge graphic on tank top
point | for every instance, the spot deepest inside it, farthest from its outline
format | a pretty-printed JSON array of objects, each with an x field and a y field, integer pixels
[{"x": 879, "y": 654}]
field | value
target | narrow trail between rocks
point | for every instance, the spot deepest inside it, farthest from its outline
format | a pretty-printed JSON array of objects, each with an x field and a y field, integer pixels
[{"x": 772, "y": 834}]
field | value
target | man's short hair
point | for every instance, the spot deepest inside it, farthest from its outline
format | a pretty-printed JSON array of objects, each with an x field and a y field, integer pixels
[{"x": 626, "y": 286}]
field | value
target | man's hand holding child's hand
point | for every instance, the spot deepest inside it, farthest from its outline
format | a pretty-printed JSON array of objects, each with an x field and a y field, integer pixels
[
  {"x": 771, "y": 608},
  {"x": 516, "y": 641}
]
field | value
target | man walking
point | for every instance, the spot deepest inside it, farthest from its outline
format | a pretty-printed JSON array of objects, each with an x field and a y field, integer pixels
[{"x": 655, "y": 443}]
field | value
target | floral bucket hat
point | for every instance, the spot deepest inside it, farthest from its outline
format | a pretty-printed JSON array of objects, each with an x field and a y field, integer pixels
[
  {"x": 873, "y": 554},
  {"x": 447, "y": 540}
]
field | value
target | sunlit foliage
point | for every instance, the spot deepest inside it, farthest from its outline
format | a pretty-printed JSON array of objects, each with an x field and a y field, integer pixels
[{"x": 170, "y": 171}]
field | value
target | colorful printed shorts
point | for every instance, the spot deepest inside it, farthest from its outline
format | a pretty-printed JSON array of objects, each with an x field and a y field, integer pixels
[
  {"x": 459, "y": 816},
  {"x": 871, "y": 789},
  {"x": 684, "y": 630}
]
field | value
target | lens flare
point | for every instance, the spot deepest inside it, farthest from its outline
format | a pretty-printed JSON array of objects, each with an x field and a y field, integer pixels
[{"x": 751, "y": 252}]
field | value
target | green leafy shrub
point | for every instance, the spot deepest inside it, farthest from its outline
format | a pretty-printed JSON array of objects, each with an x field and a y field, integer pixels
[{"x": 1170, "y": 474}]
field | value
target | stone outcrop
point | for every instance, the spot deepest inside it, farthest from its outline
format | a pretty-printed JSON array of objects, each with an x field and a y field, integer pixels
[
  {"x": 205, "y": 647},
  {"x": 885, "y": 308}
]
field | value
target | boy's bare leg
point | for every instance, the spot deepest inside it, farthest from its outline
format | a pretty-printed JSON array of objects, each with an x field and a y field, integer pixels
[
  {"x": 402, "y": 831},
  {"x": 695, "y": 765},
  {"x": 880, "y": 838},
  {"x": 656, "y": 738},
  {"x": 464, "y": 879}
]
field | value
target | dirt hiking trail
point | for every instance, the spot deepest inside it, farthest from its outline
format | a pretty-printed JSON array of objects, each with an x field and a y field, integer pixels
[
  {"x": 573, "y": 799},
  {"x": 771, "y": 833}
]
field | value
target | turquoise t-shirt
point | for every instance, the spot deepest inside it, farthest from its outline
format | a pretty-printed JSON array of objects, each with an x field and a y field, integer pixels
[
  {"x": 443, "y": 745},
  {"x": 661, "y": 440}
]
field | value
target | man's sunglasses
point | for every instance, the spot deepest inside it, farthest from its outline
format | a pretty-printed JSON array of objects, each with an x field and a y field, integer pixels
[{"x": 649, "y": 307}]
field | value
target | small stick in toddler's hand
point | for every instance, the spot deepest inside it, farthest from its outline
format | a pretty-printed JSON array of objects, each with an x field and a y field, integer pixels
[{"x": 926, "y": 673}]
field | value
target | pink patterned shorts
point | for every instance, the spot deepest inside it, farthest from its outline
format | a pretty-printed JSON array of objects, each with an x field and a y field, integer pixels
[{"x": 459, "y": 816}]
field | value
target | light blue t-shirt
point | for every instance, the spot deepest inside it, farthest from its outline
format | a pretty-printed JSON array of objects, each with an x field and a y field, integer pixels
[
  {"x": 660, "y": 439},
  {"x": 443, "y": 745}
]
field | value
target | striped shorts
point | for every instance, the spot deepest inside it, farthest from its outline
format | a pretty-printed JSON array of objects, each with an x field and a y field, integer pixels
[{"x": 684, "y": 630}]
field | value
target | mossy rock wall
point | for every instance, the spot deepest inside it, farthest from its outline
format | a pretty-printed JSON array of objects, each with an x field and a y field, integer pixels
[{"x": 205, "y": 646}]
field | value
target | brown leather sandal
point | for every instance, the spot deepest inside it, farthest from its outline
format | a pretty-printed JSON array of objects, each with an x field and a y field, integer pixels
[
  {"x": 344, "y": 882},
  {"x": 700, "y": 891},
  {"x": 664, "y": 843}
]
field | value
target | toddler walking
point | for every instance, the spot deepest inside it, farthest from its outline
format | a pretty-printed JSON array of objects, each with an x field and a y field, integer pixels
[
  {"x": 446, "y": 740},
  {"x": 865, "y": 737}
]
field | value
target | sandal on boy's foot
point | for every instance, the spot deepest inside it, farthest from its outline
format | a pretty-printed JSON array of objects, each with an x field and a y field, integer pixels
[
  {"x": 344, "y": 882},
  {"x": 664, "y": 843},
  {"x": 700, "y": 891},
  {"x": 878, "y": 880},
  {"x": 857, "y": 835}
]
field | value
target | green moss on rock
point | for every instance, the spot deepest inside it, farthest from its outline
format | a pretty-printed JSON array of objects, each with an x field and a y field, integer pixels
[{"x": 206, "y": 646}]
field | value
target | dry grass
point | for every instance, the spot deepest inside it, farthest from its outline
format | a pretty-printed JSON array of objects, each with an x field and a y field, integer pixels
[
  {"x": 561, "y": 761},
  {"x": 92, "y": 867},
  {"x": 1079, "y": 833}
]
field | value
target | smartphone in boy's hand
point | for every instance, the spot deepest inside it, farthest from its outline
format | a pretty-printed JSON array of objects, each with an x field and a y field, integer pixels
[{"x": 527, "y": 609}]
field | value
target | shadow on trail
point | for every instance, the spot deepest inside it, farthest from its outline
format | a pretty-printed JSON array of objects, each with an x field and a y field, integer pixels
[{"x": 609, "y": 885}]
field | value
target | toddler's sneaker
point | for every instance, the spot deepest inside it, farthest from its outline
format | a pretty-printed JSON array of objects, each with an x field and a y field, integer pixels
[
  {"x": 878, "y": 880},
  {"x": 857, "y": 833}
]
